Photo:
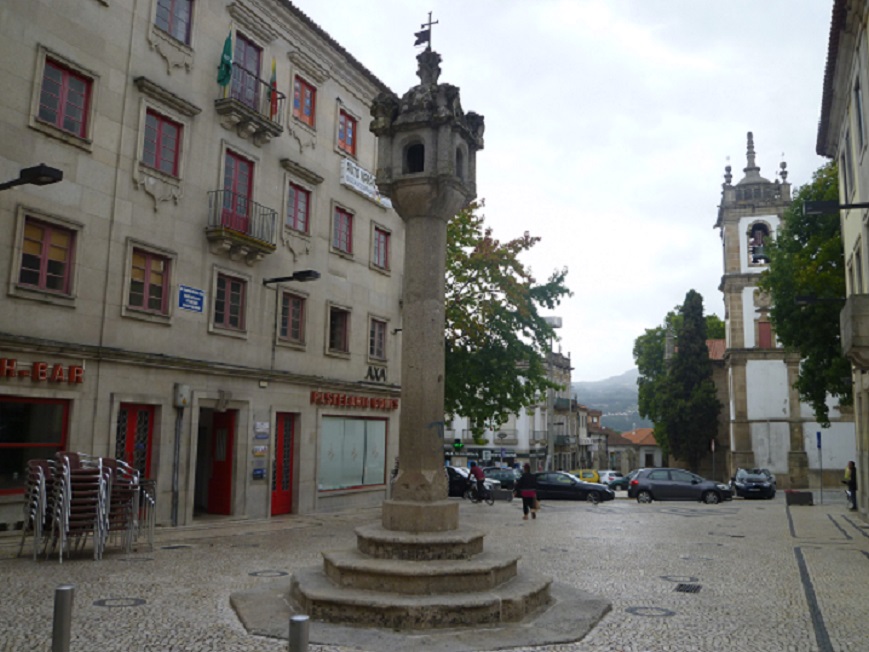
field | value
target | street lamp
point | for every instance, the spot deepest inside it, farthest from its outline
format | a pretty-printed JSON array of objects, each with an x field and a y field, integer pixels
[
  {"x": 38, "y": 175},
  {"x": 302, "y": 276}
]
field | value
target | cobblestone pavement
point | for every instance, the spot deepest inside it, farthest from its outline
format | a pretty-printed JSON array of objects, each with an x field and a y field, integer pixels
[{"x": 682, "y": 577}]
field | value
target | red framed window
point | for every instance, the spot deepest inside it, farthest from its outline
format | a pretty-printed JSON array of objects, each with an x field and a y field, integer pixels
[
  {"x": 229, "y": 302},
  {"x": 342, "y": 231},
  {"x": 149, "y": 282},
  {"x": 293, "y": 318},
  {"x": 65, "y": 98},
  {"x": 347, "y": 132},
  {"x": 237, "y": 191},
  {"x": 377, "y": 339},
  {"x": 339, "y": 330},
  {"x": 381, "y": 248},
  {"x": 162, "y": 146},
  {"x": 47, "y": 257},
  {"x": 175, "y": 18},
  {"x": 298, "y": 208},
  {"x": 304, "y": 101},
  {"x": 32, "y": 428},
  {"x": 246, "y": 60}
]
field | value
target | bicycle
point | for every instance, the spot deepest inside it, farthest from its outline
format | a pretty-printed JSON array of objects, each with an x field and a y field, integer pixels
[{"x": 473, "y": 495}]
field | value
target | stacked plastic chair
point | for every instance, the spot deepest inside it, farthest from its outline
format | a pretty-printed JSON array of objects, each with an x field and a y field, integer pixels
[
  {"x": 80, "y": 503},
  {"x": 122, "y": 509}
]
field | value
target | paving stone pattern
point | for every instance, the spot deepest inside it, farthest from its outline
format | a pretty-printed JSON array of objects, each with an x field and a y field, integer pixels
[{"x": 770, "y": 577}]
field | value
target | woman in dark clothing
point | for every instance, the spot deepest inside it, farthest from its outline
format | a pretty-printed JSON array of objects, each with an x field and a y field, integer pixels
[
  {"x": 526, "y": 487},
  {"x": 851, "y": 481}
]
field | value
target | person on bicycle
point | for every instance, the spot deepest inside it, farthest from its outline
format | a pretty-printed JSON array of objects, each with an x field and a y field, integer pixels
[{"x": 478, "y": 474}]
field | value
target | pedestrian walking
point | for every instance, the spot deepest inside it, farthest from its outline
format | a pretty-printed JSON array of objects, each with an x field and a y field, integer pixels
[
  {"x": 526, "y": 488},
  {"x": 851, "y": 481}
]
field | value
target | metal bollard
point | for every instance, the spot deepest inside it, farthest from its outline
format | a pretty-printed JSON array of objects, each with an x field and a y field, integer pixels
[
  {"x": 60, "y": 632},
  {"x": 298, "y": 633}
]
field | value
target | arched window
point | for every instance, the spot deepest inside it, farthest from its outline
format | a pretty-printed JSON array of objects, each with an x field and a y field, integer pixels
[
  {"x": 414, "y": 158},
  {"x": 460, "y": 164},
  {"x": 758, "y": 238}
]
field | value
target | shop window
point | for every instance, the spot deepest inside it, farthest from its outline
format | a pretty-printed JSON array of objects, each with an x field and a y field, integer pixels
[
  {"x": 149, "y": 282},
  {"x": 380, "y": 254},
  {"x": 293, "y": 318},
  {"x": 298, "y": 208},
  {"x": 229, "y": 303},
  {"x": 346, "y": 132},
  {"x": 304, "y": 102},
  {"x": 47, "y": 257},
  {"x": 175, "y": 18},
  {"x": 342, "y": 231},
  {"x": 30, "y": 429},
  {"x": 352, "y": 453},
  {"x": 162, "y": 146},
  {"x": 339, "y": 330},
  {"x": 64, "y": 99}
]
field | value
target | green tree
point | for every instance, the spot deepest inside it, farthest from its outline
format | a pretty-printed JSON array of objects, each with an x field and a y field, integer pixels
[
  {"x": 496, "y": 340},
  {"x": 689, "y": 406},
  {"x": 650, "y": 357},
  {"x": 806, "y": 260}
]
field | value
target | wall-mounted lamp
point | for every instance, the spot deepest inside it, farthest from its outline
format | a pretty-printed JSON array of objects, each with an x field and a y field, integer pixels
[
  {"x": 396, "y": 330},
  {"x": 826, "y": 207},
  {"x": 301, "y": 276},
  {"x": 38, "y": 175}
]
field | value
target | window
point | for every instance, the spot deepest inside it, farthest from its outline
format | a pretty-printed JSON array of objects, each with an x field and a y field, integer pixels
[
  {"x": 293, "y": 318},
  {"x": 162, "y": 143},
  {"x": 380, "y": 256},
  {"x": 245, "y": 72},
  {"x": 174, "y": 18},
  {"x": 353, "y": 453},
  {"x": 764, "y": 335},
  {"x": 845, "y": 171},
  {"x": 347, "y": 133},
  {"x": 377, "y": 339},
  {"x": 64, "y": 98},
  {"x": 304, "y": 101},
  {"x": 298, "y": 208},
  {"x": 858, "y": 269},
  {"x": 32, "y": 429},
  {"x": 339, "y": 330},
  {"x": 149, "y": 278},
  {"x": 237, "y": 190},
  {"x": 342, "y": 231},
  {"x": 47, "y": 256},
  {"x": 858, "y": 111},
  {"x": 229, "y": 303}
]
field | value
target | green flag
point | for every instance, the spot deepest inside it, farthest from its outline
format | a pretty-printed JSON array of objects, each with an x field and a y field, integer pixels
[{"x": 224, "y": 70}]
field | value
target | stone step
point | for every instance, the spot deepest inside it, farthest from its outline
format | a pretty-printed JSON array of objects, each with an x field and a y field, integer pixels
[
  {"x": 512, "y": 601},
  {"x": 376, "y": 541},
  {"x": 353, "y": 569}
]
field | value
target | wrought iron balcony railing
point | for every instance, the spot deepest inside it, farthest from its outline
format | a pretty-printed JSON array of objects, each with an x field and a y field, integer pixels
[
  {"x": 251, "y": 106},
  {"x": 241, "y": 225}
]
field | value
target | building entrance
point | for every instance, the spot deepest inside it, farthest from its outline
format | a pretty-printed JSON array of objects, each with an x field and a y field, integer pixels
[
  {"x": 214, "y": 462},
  {"x": 282, "y": 465}
]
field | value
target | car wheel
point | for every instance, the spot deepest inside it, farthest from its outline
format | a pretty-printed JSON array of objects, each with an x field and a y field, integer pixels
[
  {"x": 593, "y": 497},
  {"x": 644, "y": 496},
  {"x": 711, "y": 498}
]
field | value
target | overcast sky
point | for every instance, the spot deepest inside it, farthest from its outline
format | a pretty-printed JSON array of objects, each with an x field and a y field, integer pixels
[{"x": 608, "y": 126}]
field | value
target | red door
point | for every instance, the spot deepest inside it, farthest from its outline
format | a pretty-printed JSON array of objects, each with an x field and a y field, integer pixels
[
  {"x": 282, "y": 465},
  {"x": 237, "y": 191},
  {"x": 133, "y": 436},
  {"x": 245, "y": 72},
  {"x": 220, "y": 478}
]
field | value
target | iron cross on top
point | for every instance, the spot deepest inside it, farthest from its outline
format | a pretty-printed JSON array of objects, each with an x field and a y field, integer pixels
[{"x": 424, "y": 36}]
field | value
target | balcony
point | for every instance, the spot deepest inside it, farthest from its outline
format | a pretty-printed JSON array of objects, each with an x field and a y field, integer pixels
[
  {"x": 239, "y": 227},
  {"x": 854, "y": 329},
  {"x": 539, "y": 438},
  {"x": 508, "y": 437},
  {"x": 563, "y": 440},
  {"x": 251, "y": 107}
]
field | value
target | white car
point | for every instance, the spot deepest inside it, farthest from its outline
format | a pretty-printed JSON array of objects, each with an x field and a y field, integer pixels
[{"x": 608, "y": 476}]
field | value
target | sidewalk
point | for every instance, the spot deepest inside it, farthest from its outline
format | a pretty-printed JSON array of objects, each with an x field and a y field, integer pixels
[{"x": 682, "y": 577}]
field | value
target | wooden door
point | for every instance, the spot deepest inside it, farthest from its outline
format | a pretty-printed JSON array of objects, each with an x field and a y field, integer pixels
[
  {"x": 220, "y": 478},
  {"x": 133, "y": 436},
  {"x": 237, "y": 191},
  {"x": 282, "y": 464}
]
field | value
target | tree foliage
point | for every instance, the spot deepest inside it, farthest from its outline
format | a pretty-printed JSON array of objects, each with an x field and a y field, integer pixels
[
  {"x": 496, "y": 339},
  {"x": 806, "y": 260},
  {"x": 650, "y": 357}
]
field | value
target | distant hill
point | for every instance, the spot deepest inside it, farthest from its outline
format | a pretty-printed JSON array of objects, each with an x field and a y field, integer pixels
[{"x": 616, "y": 397}]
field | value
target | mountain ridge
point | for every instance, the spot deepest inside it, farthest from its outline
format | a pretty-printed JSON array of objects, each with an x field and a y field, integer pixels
[{"x": 617, "y": 397}]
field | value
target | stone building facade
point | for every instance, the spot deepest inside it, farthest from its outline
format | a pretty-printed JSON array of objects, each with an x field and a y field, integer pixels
[
  {"x": 150, "y": 310},
  {"x": 768, "y": 426},
  {"x": 843, "y": 137}
]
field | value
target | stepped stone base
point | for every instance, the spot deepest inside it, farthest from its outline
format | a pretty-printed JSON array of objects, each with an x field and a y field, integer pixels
[{"x": 378, "y": 542}]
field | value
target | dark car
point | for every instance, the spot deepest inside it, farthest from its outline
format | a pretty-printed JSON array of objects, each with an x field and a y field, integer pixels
[
  {"x": 558, "y": 485},
  {"x": 676, "y": 484},
  {"x": 753, "y": 483},
  {"x": 507, "y": 477},
  {"x": 624, "y": 482}
]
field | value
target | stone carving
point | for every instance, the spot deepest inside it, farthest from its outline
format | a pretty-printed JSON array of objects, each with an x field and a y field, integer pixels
[
  {"x": 175, "y": 53},
  {"x": 157, "y": 187}
]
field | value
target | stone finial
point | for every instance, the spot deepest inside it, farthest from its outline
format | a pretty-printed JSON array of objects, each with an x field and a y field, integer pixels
[
  {"x": 728, "y": 177},
  {"x": 429, "y": 67},
  {"x": 784, "y": 171},
  {"x": 750, "y": 154}
]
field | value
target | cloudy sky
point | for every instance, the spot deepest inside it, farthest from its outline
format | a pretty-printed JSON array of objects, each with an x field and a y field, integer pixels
[{"x": 608, "y": 126}]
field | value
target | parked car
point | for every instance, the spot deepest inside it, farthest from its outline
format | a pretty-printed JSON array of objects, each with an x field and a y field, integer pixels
[
  {"x": 507, "y": 477},
  {"x": 623, "y": 483},
  {"x": 676, "y": 484},
  {"x": 753, "y": 483},
  {"x": 586, "y": 475},
  {"x": 606, "y": 477},
  {"x": 558, "y": 485},
  {"x": 457, "y": 477}
]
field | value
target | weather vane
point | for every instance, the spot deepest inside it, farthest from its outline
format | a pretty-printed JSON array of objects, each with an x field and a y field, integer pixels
[{"x": 424, "y": 36}]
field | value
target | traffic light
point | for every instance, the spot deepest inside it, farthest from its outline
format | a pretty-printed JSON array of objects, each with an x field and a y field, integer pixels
[{"x": 457, "y": 444}]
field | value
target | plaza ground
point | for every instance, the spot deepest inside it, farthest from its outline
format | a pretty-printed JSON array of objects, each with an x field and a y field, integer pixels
[{"x": 682, "y": 577}]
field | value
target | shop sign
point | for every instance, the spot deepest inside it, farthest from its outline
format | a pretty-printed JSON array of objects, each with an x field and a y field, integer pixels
[
  {"x": 42, "y": 371},
  {"x": 376, "y": 374},
  {"x": 361, "y": 180},
  {"x": 334, "y": 399}
]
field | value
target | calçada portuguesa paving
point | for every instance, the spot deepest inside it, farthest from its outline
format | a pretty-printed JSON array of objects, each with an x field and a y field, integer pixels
[{"x": 682, "y": 577}]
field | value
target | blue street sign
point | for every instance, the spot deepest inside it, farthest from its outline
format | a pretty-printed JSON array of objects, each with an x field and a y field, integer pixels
[
  {"x": 819, "y": 439},
  {"x": 190, "y": 298}
]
